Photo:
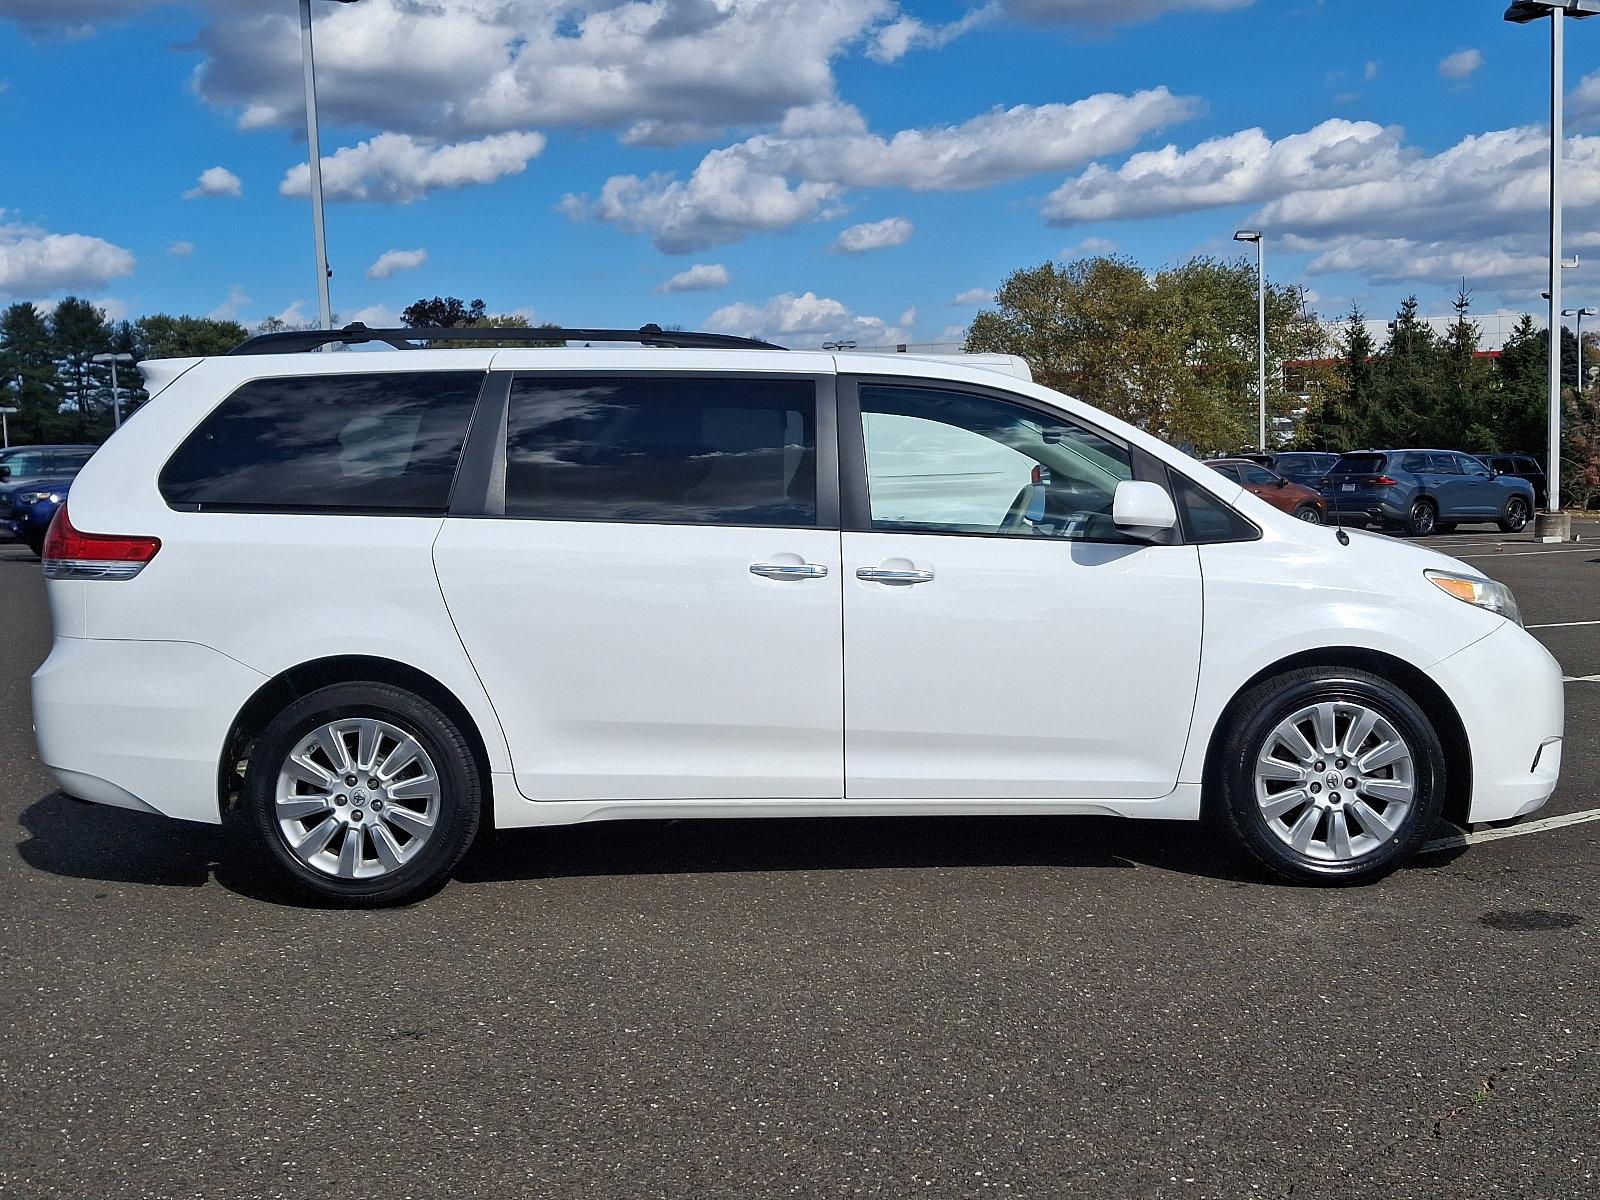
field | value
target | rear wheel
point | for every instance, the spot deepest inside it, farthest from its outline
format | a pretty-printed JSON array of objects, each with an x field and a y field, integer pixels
[
  {"x": 363, "y": 794},
  {"x": 1422, "y": 518},
  {"x": 1516, "y": 518},
  {"x": 1309, "y": 514},
  {"x": 1328, "y": 775}
]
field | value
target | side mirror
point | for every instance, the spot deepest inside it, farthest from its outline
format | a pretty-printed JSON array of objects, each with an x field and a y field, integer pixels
[
  {"x": 1282, "y": 482},
  {"x": 1142, "y": 509}
]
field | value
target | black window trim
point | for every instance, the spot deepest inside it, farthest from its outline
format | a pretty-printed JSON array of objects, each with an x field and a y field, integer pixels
[
  {"x": 327, "y": 510},
  {"x": 481, "y": 482},
  {"x": 856, "y": 510}
]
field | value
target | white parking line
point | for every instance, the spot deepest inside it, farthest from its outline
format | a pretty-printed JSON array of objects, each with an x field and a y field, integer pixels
[
  {"x": 1456, "y": 840},
  {"x": 1561, "y": 624},
  {"x": 1532, "y": 553},
  {"x": 1580, "y": 678}
]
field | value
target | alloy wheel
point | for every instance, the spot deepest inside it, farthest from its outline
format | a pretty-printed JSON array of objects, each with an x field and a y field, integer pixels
[
  {"x": 1335, "y": 780},
  {"x": 357, "y": 798}
]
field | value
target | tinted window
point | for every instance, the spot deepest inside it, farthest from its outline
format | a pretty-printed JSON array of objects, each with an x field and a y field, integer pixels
[
  {"x": 663, "y": 450},
  {"x": 24, "y": 464},
  {"x": 1470, "y": 465},
  {"x": 1359, "y": 464},
  {"x": 1443, "y": 464},
  {"x": 1226, "y": 470},
  {"x": 378, "y": 443},
  {"x": 951, "y": 462},
  {"x": 1258, "y": 476},
  {"x": 1527, "y": 464},
  {"x": 1206, "y": 520},
  {"x": 1302, "y": 464},
  {"x": 1414, "y": 462}
]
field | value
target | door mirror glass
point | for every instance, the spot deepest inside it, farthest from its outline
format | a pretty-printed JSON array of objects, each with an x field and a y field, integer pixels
[{"x": 1142, "y": 509}]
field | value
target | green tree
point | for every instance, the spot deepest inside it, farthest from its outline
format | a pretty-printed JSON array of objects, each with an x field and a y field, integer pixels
[
  {"x": 444, "y": 312},
  {"x": 163, "y": 336},
  {"x": 1173, "y": 352},
  {"x": 1461, "y": 409},
  {"x": 28, "y": 377},
  {"x": 78, "y": 332}
]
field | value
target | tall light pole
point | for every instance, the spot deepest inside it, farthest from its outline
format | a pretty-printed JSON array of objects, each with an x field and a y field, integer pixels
[
  {"x": 314, "y": 155},
  {"x": 1259, "y": 238},
  {"x": 116, "y": 395},
  {"x": 1522, "y": 12},
  {"x": 1580, "y": 314}
]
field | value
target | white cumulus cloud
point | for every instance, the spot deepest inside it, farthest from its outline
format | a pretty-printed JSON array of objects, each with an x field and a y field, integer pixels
[
  {"x": 873, "y": 235},
  {"x": 34, "y": 262},
  {"x": 973, "y": 296},
  {"x": 215, "y": 181},
  {"x": 181, "y": 249},
  {"x": 804, "y": 322},
  {"x": 702, "y": 277},
  {"x": 906, "y": 33},
  {"x": 230, "y": 308},
  {"x": 801, "y": 171},
  {"x": 1461, "y": 64},
  {"x": 1238, "y": 168},
  {"x": 396, "y": 168},
  {"x": 392, "y": 262}
]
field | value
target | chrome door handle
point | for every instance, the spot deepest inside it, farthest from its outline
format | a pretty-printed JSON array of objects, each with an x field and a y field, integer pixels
[
  {"x": 884, "y": 575},
  {"x": 789, "y": 570}
]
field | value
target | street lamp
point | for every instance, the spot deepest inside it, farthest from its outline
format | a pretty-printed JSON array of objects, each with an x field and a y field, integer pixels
[
  {"x": 116, "y": 396},
  {"x": 1522, "y": 12},
  {"x": 1580, "y": 313},
  {"x": 314, "y": 152},
  {"x": 1259, "y": 238}
]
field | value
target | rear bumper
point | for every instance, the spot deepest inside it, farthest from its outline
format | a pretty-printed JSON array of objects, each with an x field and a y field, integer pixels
[
  {"x": 139, "y": 725},
  {"x": 1507, "y": 690},
  {"x": 1364, "y": 506}
]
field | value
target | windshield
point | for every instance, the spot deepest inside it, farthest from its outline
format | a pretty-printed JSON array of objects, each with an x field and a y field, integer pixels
[{"x": 1358, "y": 464}]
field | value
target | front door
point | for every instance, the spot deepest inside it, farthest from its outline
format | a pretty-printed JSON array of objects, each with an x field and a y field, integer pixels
[
  {"x": 1002, "y": 638},
  {"x": 656, "y": 612}
]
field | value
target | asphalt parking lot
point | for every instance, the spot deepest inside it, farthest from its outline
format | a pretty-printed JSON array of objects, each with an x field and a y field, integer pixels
[{"x": 1024, "y": 1006}]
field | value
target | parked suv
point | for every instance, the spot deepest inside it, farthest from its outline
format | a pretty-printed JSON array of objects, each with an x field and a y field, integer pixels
[
  {"x": 373, "y": 600},
  {"x": 1521, "y": 466},
  {"x": 1300, "y": 502},
  {"x": 1425, "y": 491}
]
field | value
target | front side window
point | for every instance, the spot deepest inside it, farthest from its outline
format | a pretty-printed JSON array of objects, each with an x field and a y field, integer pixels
[
  {"x": 1443, "y": 464},
  {"x": 663, "y": 450},
  {"x": 382, "y": 442},
  {"x": 1258, "y": 476},
  {"x": 951, "y": 462},
  {"x": 1471, "y": 466}
]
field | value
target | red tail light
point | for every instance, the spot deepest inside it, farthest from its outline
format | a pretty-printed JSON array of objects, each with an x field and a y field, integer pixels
[
  {"x": 1381, "y": 481},
  {"x": 70, "y": 553}
]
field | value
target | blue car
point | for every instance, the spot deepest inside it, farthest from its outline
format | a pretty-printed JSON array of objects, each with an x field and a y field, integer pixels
[
  {"x": 26, "y": 508},
  {"x": 1424, "y": 491},
  {"x": 1305, "y": 467}
]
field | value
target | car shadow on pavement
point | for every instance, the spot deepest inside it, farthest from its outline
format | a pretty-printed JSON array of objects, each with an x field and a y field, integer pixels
[
  {"x": 70, "y": 838},
  {"x": 87, "y": 841},
  {"x": 846, "y": 844}
]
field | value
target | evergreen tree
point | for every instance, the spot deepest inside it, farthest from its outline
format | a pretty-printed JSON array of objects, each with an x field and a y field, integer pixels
[
  {"x": 28, "y": 377},
  {"x": 1461, "y": 411},
  {"x": 79, "y": 331}
]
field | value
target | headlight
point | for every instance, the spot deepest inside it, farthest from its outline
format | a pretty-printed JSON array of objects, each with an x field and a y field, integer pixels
[
  {"x": 26, "y": 498},
  {"x": 1484, "y": 593}
]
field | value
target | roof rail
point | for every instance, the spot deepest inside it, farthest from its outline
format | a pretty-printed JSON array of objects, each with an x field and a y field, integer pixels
[{"x": 355, "y": 334}]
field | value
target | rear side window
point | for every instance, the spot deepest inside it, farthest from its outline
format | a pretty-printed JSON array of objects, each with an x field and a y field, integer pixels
[
  {"x": 1359, "y": 464},
  {"x": 1414, "y": 462},
  {"x": 663, "y": 450},
  {"x": 385, "y": 442}
]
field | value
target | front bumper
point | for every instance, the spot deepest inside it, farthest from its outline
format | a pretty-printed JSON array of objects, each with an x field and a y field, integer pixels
[
  {"x": 1507, "y": 689},
  {"x": 139, "y": 725}
]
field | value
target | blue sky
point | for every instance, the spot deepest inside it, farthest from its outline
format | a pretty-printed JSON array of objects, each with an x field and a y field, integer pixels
[{"x": 567, "y": 159}]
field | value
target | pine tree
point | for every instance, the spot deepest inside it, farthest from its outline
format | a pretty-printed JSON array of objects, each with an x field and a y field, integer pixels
[{"x": 28, "y": 377}]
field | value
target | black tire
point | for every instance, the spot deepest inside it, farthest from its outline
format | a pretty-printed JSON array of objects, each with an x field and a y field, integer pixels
[
  {"x": 1422, "y": 519},
  {"x": 1231, "y": 788},
  {"x": 1445, "y": 527},
  {"x": 1309, "y": 514},
  {"x": 460, "y": 793},
  {"x": 1516, "y": 515},
  {"x": 35, "y": 542}
]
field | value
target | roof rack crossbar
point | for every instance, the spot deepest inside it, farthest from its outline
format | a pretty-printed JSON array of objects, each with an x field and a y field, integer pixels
[{"x": 355, "y": 334}]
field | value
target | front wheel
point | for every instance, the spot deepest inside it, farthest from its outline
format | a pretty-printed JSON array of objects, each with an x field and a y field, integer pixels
[
  {"x": 1422, "y": 518},
  {"x": 1328, "y": 775},
  {"x": 1309, "y": 514},
  {"x": 363, "y": 794},
  {"x": 1516, "y": 518}
]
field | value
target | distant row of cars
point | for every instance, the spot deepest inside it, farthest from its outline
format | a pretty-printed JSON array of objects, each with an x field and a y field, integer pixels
[
  {"x": 34, "y": 481},
  {"x": 1422, "y": 491}
]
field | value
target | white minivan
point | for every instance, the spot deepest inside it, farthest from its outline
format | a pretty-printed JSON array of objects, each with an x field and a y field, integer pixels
[{"x": 373, "y": 599}]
